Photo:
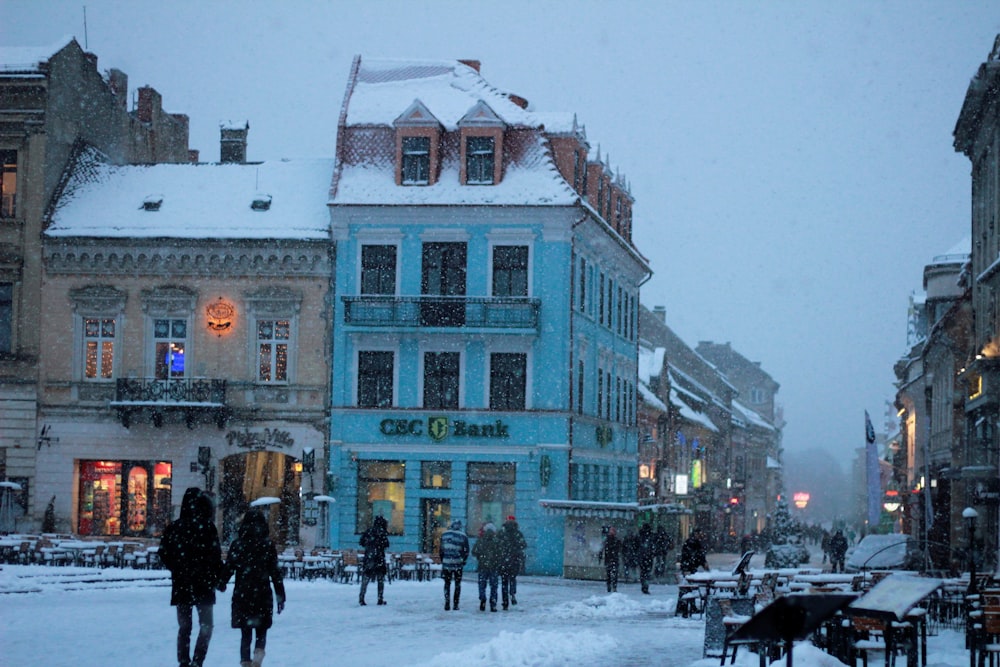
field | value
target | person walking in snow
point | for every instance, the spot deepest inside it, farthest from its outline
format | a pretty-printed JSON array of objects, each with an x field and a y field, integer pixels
[
  {"x": 454, "y": 553},
  {"x": 487, "y": 552},
  {"x": 375, "y": 542},
  {"x": 611, "y": 553},
  {"x": 647, "y": 553},
  {"x": 838, "y": 549},
  {"x": 190, "y": 549},
  {"x": 512, "y": 548},
  {"x": 253, "y": 558}
]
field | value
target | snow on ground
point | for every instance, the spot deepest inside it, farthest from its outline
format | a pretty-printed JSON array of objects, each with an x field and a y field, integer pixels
[{"x": 77, "y": 617}]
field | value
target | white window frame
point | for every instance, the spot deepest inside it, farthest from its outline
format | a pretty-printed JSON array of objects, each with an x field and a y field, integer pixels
[
  {"x": 97, "y": 302},
  {"x": 266, "y": 304},
  {"x": 513, "y": 238},
  {"x": 529, "y": 384},
  {"x": 356, "y": 385},
  {"x": 437, "y": 349}
]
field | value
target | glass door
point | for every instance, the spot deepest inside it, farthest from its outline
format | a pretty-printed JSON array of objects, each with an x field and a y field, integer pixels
[{"x": 435, "y": 515}]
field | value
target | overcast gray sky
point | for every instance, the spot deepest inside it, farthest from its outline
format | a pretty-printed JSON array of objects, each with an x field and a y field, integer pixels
[{"x": 792, "y": 162}]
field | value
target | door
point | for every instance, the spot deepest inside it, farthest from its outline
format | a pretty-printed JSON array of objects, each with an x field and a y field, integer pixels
[
  {"x": 443, "y": 273},
  {"x": 435, "y": 515}
]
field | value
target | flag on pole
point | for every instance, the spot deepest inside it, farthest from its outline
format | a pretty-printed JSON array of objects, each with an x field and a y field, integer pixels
[{"x": 873, "y": 474}]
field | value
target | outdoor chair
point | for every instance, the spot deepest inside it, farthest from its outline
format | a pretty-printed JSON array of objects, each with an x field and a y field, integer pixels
[
  {"x": 350, "y": 569},
  {"x": 732, "y": 622},
  {"x": 870, "y": 639}
]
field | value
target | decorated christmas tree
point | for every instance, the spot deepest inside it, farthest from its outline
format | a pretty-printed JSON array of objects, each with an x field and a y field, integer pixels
[{"x": 786, "y": 549}]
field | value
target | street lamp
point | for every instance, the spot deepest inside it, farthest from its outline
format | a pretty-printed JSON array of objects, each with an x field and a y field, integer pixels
[{"x": 969, "y": 514}]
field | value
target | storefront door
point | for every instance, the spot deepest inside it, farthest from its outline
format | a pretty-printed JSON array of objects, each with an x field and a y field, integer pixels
[
  {"x": 435, "y": 515},
  {"x": 248, "y": 477}
]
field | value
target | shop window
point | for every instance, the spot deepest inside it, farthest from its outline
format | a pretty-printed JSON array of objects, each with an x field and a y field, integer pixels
[
  {"x": 123, "y": 497},
  {"x": 378, "y": 269},
  {"x": 510, "y": 270},
  {"x": 6, "y": 318},
  {"x": 375, "y": 379},
  {"x": 273, "y": 337},
  {"x": 435, "y": 474},
  {"x": 169, "y": 342},
  {"x": 490, "y": 494},
  {"x": 99, "y": 347},
  {"x": 479, "y": 159},
  {"x": 381, "y": 492},
  {"x": 508, "y": 380},
  {"x": 441, "y": 380},
  {"x": 416, "y": 165},
  {"x": 8, "y": 184}
]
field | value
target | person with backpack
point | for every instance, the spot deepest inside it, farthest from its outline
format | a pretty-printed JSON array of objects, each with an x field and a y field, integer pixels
[
  {"x": 512, "y": 548},
  {"x": 454, "y": 552}
]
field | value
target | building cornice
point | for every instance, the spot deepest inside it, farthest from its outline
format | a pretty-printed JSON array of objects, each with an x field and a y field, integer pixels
[{"x": 161, "y": 257}]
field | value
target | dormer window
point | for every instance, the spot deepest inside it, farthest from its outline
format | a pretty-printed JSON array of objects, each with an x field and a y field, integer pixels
[
  {"x": 418, "y": 139},
  {"x": 481, "y": 136},
  {"x": 479, "y": 161},
  {"x": 416, "y": 165}
]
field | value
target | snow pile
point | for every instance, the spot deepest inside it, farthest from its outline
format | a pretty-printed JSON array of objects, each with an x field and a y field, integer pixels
[
  {"x": 616, "y": 605},
  {"x": 536, "y": 648}
]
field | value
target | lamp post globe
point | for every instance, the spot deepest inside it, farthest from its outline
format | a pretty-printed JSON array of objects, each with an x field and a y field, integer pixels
[{"x": 970, "y": 515}]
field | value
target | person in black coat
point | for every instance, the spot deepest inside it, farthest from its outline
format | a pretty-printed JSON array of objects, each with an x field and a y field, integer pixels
[
  {"x": 512, "y": 547},
  {"x": 838, "y": 548},
  {"x": 375, "y": 542},
  {"x": 254, "y": 559},
  {"x": 611, "y": 554},
  {"x": 693, "y": 554},
  {"x": 647, "y": 553},
  {"x": 190, "y": 549}
]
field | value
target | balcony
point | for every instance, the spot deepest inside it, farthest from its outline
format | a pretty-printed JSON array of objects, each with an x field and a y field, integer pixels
[
  {"x": 442, "y": 311},
  {"x": 193, "y": 400}
]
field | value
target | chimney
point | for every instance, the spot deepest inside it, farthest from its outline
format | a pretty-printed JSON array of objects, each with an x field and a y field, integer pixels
[
  {"x": 474, "y": 64},
  {"x": 660, "y": 312},
  {"x": 118, "y": 82},
  {"x": 150, "y": 103},
  {"x": 233, "y": 144},
  {"x": 193, "y": 155}
]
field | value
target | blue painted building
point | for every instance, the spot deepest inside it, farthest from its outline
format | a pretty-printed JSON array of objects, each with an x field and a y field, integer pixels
[{"x": 485, "y": 315}]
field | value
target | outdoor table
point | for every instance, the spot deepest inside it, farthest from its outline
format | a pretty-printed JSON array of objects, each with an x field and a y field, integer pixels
[
  {"x": 895, "y": 600},
  {"x": 76, "y": 548}
]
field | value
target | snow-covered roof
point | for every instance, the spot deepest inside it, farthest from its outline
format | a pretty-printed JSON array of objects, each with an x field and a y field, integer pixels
[
  {"x": 29, "y": 58},
  {"x": 384, "y": 88},
  {"x": 773, "y": 463},
  {"x": 650, "y": 398},
  {"x": 751, "y": 417},
  {"x": 650, "y": 363},
  {"x": 197, "y": 200},
  {"x": 531, "y": 181},
  {"x": 689, "y": 413}
]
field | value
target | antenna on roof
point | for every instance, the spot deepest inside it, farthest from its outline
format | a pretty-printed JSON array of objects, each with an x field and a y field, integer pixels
[{"x": 86, "y": 43}]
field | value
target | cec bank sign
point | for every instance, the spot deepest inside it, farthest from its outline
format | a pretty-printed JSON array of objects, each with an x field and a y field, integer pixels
[{"x": 438, "y": 428}]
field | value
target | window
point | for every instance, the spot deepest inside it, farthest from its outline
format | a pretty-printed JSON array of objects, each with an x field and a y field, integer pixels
[
  {"x": 435, "y": 474},
  {"x": 510, "y": 270},
  {"x": 600, "y": 301},
  {"x": 508, "y": 373},
  {"x": 576, "y": 170},
  {"x": 99, "y": 347},
  {"x": 580, "y": 382},
  {"x": 443, "y": 273},
  {"x": 8, "y": 184},
  {"x": 441, "y": 377},
  {"x": 381, "y": 492},
  {"x": 375, "y": 370},
  {"x": 6, "y": 318},
  {"x": 272, "y": 350},
  {"x": 378, "y": 269},
  {"x": 479, "y": 160},
  {"x": 583, "y": 285},
  {"x": 600, "y": 392},
  {"x": 757, "y": 395},
  {"x": 169, "y": 339},
  {"x": 416, "y": 160},
  {"x": 489, "y": 494}
]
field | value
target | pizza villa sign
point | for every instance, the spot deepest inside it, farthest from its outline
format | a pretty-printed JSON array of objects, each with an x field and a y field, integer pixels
[{"x": 438, "y": 428}]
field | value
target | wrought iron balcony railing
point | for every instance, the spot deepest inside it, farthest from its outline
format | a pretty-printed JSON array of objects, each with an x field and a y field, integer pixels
[
  {"x": 442, "y": 311},
  {"x": 195, "y": 400},
  {"x": 181, "y": 391}
]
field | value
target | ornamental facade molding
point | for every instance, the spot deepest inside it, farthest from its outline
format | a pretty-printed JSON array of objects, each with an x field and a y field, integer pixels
[{"x": 310, "y": 259}]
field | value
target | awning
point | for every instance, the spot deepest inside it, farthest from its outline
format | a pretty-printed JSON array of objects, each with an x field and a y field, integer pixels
[{"x": 587, "y": 508}]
